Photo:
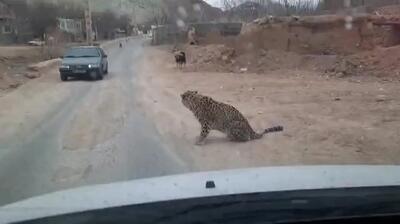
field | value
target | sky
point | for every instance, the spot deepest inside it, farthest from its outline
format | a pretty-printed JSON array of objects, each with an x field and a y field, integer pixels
[{"x": 215, "y": 3}]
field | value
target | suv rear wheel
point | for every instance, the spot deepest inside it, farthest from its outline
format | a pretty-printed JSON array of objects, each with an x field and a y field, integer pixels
[
  {"x": 99, "y": 74},
  {"x": 95, "y": 75},
  {"x": 106, "y": 71},
  {"x": 63, "y": 77}
]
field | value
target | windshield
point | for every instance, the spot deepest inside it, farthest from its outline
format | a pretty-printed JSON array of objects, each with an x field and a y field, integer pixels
[
  {"x": 82, "y": 52},
  {"x": 106, "y": 91}
]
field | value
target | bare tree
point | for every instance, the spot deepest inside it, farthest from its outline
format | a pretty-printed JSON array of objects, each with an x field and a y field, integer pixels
[
  {"x": 275, "y": 7},
  {"x": 107, "y": 22},
  {"x": 70, "y": 10},
  {"x": 286, "y": 5},
  {"x": 159, "y": 15},
  {"x": 42, "y": 16},
  {"x": 229, "y": 4}
]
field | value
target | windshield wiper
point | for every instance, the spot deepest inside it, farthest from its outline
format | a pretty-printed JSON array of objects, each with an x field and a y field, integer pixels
[
  {"x": 70, "y": 56},
  {"x": 88, "y": 56}
]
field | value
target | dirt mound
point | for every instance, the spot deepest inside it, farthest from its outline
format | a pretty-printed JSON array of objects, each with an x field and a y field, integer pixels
[
  {"x": 222, "y": 58},
  {"x": 14, "y": 70},
  {"x": 8, "y": 82},
  {"x": 381, "y": 62},
  {"x": 210, "y": 57}
]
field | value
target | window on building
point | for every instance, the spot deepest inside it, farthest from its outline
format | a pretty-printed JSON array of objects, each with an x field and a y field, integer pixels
[
  {"x": 7, "y": 28},
  {"x": 63, "y": 25}
]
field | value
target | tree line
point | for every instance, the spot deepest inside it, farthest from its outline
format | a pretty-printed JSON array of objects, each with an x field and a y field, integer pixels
[
  {"x": 302, "y": 7},
  {"x": 43, "y": 16}
]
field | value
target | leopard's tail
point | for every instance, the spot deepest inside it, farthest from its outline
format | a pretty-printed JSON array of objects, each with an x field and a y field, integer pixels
[
  {"x": 266, "y": 131},
  {"x": 273, "y": 129}
]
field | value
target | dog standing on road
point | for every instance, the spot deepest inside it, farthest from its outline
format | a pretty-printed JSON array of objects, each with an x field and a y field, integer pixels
[{"x": 180, "y": 59}]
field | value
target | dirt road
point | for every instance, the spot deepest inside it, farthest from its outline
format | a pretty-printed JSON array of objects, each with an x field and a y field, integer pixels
[
  {"x": 56, "y": 135},
  {"x": 326, "y": 120}
]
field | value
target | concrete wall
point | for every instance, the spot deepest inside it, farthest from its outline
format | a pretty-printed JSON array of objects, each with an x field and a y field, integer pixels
[
  {"x": 7, "y": 38},
  {"x": 171, "y": 34}
]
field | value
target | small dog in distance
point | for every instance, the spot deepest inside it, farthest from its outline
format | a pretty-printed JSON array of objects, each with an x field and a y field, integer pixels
[{"x": 180, "y": 59}]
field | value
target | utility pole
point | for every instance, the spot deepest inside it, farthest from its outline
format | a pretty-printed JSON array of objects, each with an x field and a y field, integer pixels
[{"x": 88, "y": 22}]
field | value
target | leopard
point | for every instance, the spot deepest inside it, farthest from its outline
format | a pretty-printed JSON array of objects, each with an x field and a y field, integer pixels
[{"x": 215, "y": 115}]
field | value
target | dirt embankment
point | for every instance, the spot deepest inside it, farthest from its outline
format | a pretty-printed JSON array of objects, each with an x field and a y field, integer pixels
[
  {"x": 16, "y": 66},
  {"x": 327, "y": 121},
  {"x": 222, "y": 58},
  {"x": 359, "y": 47},
  {"x": 380, "y": 64}
]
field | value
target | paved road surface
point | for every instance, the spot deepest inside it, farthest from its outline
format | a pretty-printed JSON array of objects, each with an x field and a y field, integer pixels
[{"x": 61, "y": 135}]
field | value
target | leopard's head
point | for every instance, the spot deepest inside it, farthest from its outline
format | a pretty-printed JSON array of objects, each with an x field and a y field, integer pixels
[{"x": 188, "y": 98}]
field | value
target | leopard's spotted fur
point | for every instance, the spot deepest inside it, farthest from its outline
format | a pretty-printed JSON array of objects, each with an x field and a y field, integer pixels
[{"x": 222, "y": 117}]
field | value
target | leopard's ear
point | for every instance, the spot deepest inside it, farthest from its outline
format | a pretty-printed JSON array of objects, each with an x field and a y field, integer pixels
[
  {"x": 185, "y": 94},
  {"x": 188, "y": 93}
]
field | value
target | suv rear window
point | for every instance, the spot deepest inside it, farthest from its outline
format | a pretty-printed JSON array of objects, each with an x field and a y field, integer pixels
[{"x": 82, "y": 52}]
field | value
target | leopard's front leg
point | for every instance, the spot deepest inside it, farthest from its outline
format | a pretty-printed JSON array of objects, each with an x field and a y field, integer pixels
[{"x": 205, "y": 130}]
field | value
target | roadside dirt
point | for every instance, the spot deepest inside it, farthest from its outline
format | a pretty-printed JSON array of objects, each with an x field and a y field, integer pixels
[
  {"x": 23, "y": 110},
  {"x": 379, "y": 64},
  {"x": 14, "y": 66},
  {"x": 382, "y": 63},
  {"x": 326, "y": 120},
  {"x": 223, "y": 58}
]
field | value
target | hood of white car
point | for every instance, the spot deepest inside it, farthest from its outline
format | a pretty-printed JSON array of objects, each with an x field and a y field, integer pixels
[{"x": 193, "y": 185}]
